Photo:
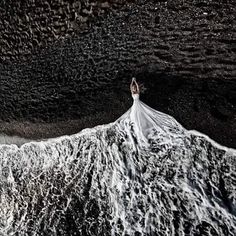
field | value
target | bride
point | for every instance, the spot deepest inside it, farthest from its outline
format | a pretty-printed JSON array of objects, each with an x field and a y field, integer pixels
[{"x": 147, "y": 120}]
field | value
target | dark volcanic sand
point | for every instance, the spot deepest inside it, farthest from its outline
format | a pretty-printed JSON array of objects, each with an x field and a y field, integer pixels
[{"x": 64, "y": 75}]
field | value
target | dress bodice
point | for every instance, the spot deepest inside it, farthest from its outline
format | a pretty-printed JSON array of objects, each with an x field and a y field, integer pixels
[{"x": 135, "y": 96}]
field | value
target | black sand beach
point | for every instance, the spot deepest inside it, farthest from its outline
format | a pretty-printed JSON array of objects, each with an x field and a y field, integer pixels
[{"x": 67, "y": 66}]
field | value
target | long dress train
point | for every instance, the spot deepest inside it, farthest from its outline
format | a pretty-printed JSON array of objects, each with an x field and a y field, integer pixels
[{"x": 146, "y": 121}]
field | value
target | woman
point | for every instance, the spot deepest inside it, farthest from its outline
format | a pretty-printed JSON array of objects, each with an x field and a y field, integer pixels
[{"x": 146, "y": 120}]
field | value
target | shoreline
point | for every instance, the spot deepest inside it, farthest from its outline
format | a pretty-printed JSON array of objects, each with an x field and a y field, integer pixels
[
  {"x": 39, "y": 131},
  {"x": 19, "y": 141}
]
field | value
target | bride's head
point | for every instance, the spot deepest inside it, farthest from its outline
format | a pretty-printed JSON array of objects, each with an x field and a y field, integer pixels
[{"x": 134, "y": 89}]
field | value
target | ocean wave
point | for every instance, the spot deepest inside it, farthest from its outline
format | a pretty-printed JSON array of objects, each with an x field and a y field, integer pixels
[{"x": 108, "y": 181}]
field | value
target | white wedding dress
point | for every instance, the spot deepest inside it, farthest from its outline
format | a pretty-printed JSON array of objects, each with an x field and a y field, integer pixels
[{"x": 146, "y": 121}]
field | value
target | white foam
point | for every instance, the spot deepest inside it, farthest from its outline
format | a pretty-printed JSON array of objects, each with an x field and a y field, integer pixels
[{"x": 154, "y": 184}]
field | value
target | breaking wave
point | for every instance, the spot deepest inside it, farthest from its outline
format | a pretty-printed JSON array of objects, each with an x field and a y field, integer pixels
[{"x": 108, "y": 181}]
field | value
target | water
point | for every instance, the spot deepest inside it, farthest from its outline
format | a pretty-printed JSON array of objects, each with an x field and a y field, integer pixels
[
  {"x": 105, "y": 181},
  {"x": 6, "y": 139}
]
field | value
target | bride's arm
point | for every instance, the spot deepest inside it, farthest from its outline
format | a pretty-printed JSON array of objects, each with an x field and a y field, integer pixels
[{"x": 131, "y": 84}]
